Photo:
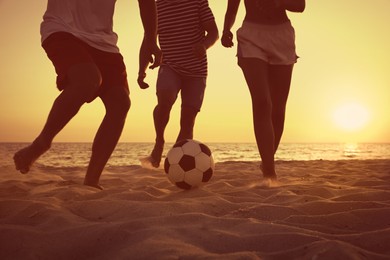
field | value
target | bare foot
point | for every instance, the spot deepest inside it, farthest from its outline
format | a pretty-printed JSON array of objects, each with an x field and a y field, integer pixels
[
  {"x": 149, "y": 163},
  {"x": 266, "y": 183},
  {"x": 154, "y": 158},
  {"x": 94, "y": 185},
  {"x": 25, "y": 157},
  {"x": 268, "y": 173},
  {"x": 269, "y": 182}
]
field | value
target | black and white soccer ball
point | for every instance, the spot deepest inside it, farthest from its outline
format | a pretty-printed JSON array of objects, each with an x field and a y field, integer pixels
[{"x": 189, "y": 163}]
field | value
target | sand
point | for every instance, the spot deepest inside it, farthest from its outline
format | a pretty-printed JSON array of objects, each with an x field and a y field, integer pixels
[{"x": 321, "y": 210}]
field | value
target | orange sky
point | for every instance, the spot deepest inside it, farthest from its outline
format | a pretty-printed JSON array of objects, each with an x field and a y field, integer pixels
[{"x": 340, "y": 90}]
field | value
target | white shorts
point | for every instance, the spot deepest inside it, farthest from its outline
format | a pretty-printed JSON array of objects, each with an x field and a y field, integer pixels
[{"x": 274, "y": 44}]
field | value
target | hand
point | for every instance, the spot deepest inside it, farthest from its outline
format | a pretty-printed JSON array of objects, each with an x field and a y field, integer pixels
[
  {"x": 199, "y": 50},
  {"x": 148, "y": 50},
  {"x": 156, "y": 52},
  {"x": 151, "y": 52},
  {"x": 140, "y": 80},
  {"x": 227, "y": 39}
]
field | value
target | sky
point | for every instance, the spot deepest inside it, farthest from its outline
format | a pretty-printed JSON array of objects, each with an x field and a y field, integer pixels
[{"x": 340, "y": 90}]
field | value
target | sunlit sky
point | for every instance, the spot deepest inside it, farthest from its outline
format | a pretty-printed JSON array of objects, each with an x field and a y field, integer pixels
[{"x": 340, "y": 89}]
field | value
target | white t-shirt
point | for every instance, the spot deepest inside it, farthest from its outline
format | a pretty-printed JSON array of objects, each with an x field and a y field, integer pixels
[{"x": 89, "y": 20}]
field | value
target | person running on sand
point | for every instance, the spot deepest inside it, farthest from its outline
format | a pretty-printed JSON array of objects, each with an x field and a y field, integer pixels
[
  {"x": 78, "y": 38},
  {"x": 266, "y": 55},
  {"x": 186, "y": 29}
]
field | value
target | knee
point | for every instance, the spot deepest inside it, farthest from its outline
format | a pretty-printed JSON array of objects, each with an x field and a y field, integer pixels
[
  {"x": 262, "y": 105},
  {"x": 117, "y": 102},
  {"x": 278, "y": 112},
  {"x": 85, "y": 80},
  {"x": 162, "y": 109},
  {"x": 124, "y": 105},
  {"x": 166, "y": 100},
  {"x": 189, "y": 110},
  {"x": 121, "y": 106}
]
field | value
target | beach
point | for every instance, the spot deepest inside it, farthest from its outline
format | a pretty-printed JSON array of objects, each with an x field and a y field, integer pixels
[{"x": 320, "y": 210}]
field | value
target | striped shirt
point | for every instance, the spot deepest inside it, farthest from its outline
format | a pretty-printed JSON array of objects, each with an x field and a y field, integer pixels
[{"x": 179, "y": 28}]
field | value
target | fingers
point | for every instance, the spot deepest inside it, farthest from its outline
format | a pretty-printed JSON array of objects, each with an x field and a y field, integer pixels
[
  {"x": 157, "y": 59},
  {"x": 227, "y": 43},
  {"x": 140, "y": 80},
  {"x": 142, "y": 84},
  {"x": 227, "y": 39},
  {"x": 146, "y": 55}
]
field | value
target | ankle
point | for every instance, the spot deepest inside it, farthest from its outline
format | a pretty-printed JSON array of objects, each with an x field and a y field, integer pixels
[
  {"x": 268, "y": 171},
  {"x": 159, "y": 142},
  {"x": 42, "y": 144},
  {"x": 158, "y": 146},
  {"x": 94, "y": 185}
]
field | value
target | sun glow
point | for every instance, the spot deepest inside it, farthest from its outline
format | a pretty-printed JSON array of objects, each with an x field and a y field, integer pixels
[{"x": 351, "y": 116}]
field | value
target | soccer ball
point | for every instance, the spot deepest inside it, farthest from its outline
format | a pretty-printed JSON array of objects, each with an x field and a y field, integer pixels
[{"x": 188, "y": 164}]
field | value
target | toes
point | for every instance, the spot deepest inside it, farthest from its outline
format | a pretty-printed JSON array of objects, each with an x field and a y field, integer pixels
[{"x": 20, "y": 164}]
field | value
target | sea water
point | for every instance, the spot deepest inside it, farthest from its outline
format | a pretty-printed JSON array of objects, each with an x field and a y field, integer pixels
[{"x": 125, "y": 154}]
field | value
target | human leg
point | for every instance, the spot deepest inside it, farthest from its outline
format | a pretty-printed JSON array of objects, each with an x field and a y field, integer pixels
[
  {"x": 117, "y": 104},
  {"x": 280, "y": 80},
  {"x": 256, "y": 74},
  {"x": 192, "y": 95},
  {"x": 161, "y": 114},
  {"x": 114, "y": 93},
  {"x": 168, "y": 87},
  {"x": 83, "y": 81},
  {"x": 187, "y": 123}
]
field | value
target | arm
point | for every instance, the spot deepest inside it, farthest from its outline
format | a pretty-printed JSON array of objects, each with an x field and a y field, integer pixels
[
  {"x": 211, "y": 37},
  {"x": 212, "y": 33},
  {"x": 230, "y": 18},
  {"x": 149, "y": 46}
]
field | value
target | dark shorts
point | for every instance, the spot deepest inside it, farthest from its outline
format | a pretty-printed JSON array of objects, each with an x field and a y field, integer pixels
[
  {"x": 65, "y": 51},
  {"x": 191, "y": 88}
]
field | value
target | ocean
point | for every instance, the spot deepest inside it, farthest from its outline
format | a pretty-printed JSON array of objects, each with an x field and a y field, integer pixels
[{"x": 126, "y": 154}]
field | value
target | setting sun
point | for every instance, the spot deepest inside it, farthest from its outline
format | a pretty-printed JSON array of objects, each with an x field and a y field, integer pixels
[{"x": 351, "y": 116}]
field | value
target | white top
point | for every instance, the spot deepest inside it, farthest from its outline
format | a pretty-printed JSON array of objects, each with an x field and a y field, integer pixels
[{"x": 89, "y": 20}]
